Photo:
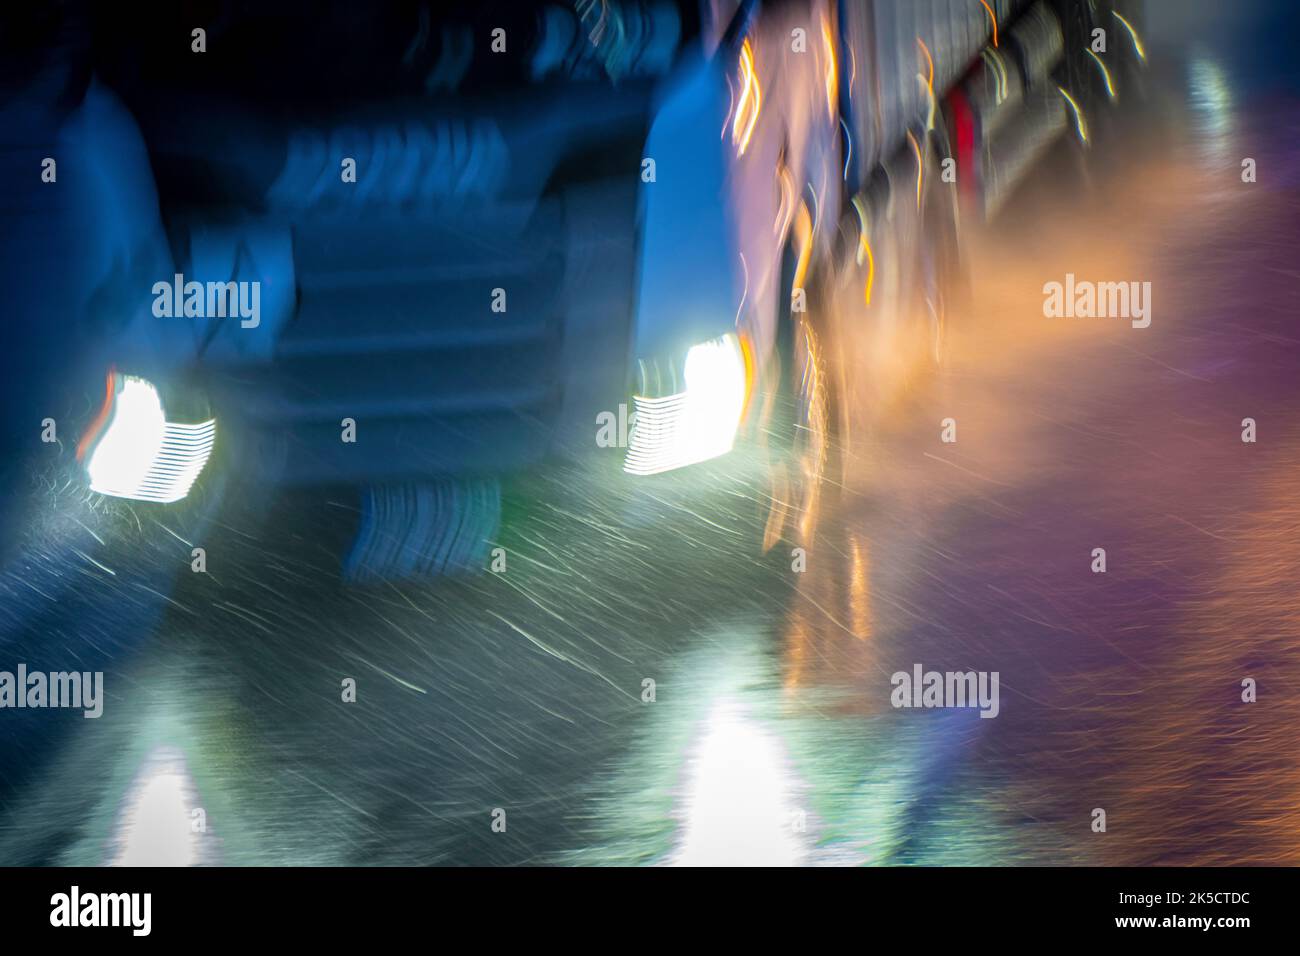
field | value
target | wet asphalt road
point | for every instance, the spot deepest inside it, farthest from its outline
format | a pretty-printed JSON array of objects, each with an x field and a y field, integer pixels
[{"x": 771, "y": 737}]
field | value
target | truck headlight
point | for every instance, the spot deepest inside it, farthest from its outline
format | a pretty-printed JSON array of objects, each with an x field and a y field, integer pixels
[
  {"x": 696, "y": 421},
  {"x": 132, "y": 451}
]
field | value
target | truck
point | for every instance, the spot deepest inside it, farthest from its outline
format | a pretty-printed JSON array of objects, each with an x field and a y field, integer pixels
[{"x": 411, "y": 250}]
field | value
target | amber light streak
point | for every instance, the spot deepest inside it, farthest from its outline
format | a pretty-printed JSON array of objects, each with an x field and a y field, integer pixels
[
  {"x": 992, "y": 19},
  {"x": 929, "y": 82},
  {"x": 832, "y": 69},
  {"x": 751, "y": 101},
  {"x": 747, "y": 356},
  {"x": 864, "y": 249}
]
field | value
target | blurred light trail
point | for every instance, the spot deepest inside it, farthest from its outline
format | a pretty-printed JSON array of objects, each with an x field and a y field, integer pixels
[
  {"x": 1133, "y": 35},
  {"x": 751, "y": 100},
  {"x": 1105, "y": 74},
  {"x": 1080, "y": 124},
  {"x": 993, "y": 19},
  {"x": 848, "y": 152},
  {"x": 832, "y": 70},
  {"x": 864, "y": 248},
  {"x": 929, "y": 80}
]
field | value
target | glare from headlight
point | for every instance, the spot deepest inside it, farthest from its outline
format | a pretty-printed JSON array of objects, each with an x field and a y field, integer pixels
[
  {"x": 140, "y": 454},
  {"x": 696, "y": 424}
]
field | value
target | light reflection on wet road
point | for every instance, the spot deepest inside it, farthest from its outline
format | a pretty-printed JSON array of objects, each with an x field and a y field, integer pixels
[{"x": 772, "y": 738}]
